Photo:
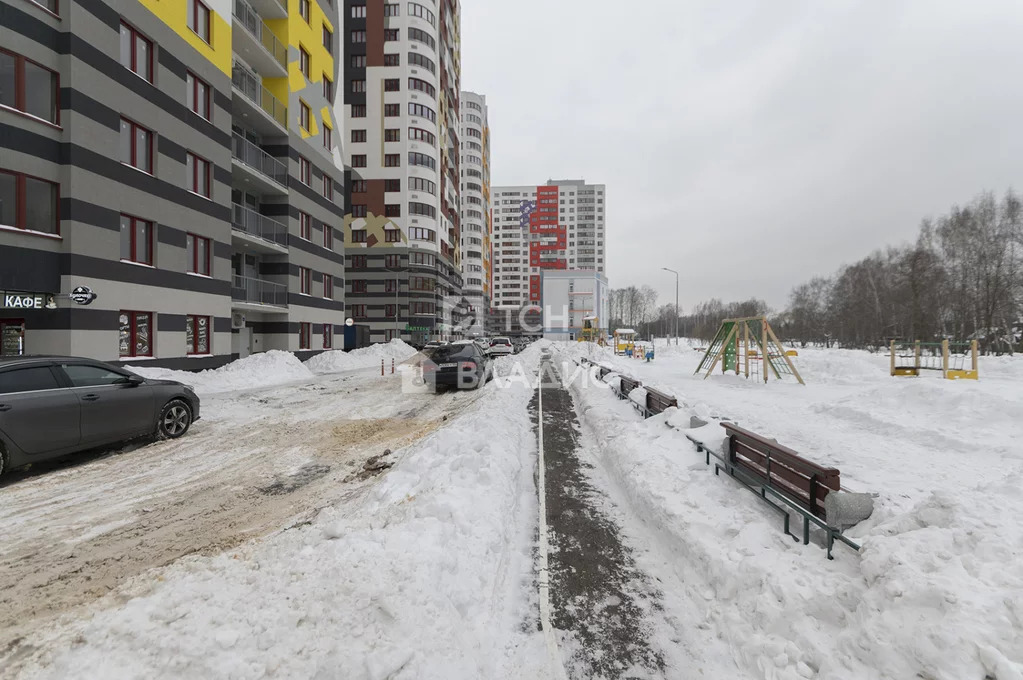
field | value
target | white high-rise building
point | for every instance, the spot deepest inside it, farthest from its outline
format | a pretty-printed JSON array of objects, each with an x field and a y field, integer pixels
[
  {"x": 559, "y": 225},
  {"x": 475, "y": 207}
]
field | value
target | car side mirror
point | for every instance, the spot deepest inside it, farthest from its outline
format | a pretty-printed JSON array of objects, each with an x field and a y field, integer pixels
[{"x": 135, "y": 380}]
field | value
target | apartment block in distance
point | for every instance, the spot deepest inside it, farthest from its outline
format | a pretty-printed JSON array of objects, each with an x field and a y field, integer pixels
[
  {"x": 475, "y": 211},
  {"x": 555, "y": 226},
  {"x": 401, "y": 79},
  {"x": 169, "y": 190}
]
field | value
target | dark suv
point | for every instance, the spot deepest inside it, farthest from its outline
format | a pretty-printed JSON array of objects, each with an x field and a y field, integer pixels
[
  {"x": 462, "y": 365},
  {"x": 53, "y": 406}
]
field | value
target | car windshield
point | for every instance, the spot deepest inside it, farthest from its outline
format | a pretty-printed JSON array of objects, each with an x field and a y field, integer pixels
[{"x": 451, "y": 352}]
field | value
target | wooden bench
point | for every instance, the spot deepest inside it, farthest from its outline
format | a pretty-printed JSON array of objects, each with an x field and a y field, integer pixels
[
  {"x": 765, "y": 466},
  {"x": 657, "y": 401},
  {"x": 628, "y": 384}
]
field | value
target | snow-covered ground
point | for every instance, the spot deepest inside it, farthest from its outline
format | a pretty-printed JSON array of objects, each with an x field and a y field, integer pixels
[{"x": 937, "y": 590}]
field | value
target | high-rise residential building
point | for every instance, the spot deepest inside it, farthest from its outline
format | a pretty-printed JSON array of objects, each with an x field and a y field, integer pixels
[
  {"x": 171, "y": 181},
  {"x": 558, "y": 225},
  {"x": 401, "y": 82},
  {"x": 476, "y": 215}
]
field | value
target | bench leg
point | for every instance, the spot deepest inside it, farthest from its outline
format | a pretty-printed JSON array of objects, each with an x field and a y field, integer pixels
[
  {"x": 831, "y": 543},
  {"x": 806, "y": 530}
]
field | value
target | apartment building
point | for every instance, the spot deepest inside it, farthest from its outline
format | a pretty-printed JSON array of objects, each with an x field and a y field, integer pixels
[
  {"x": 171, "y": 186},
  {"x": 475, "y": 137},
  {"x": 571, "y": 297},
  {"x": 555, "y": 226},
  {"x": 401, "y": 67}
]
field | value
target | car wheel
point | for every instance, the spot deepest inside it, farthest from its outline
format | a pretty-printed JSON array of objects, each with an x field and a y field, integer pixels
[{"x": 174, "y": 420}]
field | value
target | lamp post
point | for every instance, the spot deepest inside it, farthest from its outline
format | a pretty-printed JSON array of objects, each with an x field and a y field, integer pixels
[{"x": 676, "y": 301}]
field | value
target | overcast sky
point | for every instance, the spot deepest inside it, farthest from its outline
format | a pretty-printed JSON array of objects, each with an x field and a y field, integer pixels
[{"x": 752, "y": 144}]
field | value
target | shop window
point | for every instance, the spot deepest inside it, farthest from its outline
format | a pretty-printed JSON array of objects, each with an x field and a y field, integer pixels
[{"x": 136, "y": 334}]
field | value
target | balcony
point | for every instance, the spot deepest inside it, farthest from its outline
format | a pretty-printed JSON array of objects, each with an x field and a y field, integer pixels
[
  {"x": 247, "y": 293},
  {"x": 271, "y": 9},
  {"x": 257, "y": 44},
  {"x": 262, "y": 233},
  {"x": 256, "y": 170},
  {"x": 260, "y": 110}
]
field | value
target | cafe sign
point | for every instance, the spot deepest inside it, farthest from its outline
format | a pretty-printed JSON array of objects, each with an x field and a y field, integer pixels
[{"x": 19, "y": 300}]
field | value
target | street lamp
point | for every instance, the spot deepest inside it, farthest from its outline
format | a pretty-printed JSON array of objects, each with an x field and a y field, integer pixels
[{"x": 676, "y": 301}]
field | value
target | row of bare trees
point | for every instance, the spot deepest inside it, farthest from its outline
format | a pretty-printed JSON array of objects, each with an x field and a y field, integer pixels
[{"x": 961, "y": 279}]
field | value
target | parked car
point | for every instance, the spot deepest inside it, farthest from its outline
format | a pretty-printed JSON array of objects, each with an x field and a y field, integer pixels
[
  {"x": 431, "y": 345},
  {"x": 500, "y": 345},
  {"x": 462, "y": 365},
  {"x": 483, "y": 344},
  {"x": 53, "y": 406}
]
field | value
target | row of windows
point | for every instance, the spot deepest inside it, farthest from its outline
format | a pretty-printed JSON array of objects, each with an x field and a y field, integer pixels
[
  {"x": 421, "y": 159},
  {"x": 417, "y": 10},
  {"x": 422, "y": 86},
  {"x": 391, "y": 261},
  {"x": 305, "y": 283},
  {"x": 419, "y": 59},
  {"x": 422, "y": 112},
  {"x": 391, "y": 210},
  {"x": 423, "y": 37}
]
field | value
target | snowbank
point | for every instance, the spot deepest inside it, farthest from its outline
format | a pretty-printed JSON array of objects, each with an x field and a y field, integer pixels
[
  {"x": 935, "y": 590},
  {"x": 423, "y": 573},
  {"x": 337, "y": 361},
  {"x": 257, "y": 370}
]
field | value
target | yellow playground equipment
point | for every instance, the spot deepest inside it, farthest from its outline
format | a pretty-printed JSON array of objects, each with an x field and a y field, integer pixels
[
  {"x": 625, "y": 341},
  {"x": 590, "y": 331},
  {"x": 949, "y": 357}
]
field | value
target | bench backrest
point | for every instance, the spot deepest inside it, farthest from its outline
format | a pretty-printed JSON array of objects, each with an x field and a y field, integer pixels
[
  {"x": 783, "y": 469},
  {"x": 657, "y": 401},
  {"x": 629, "y": 384}
]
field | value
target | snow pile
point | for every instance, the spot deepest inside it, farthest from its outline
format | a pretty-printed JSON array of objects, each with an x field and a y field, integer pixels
[
  {"x": 337, "y": 361},
  {"x": 425, "y": 574},
  {"x": 257, "y": 370},
  {"x": 935, "y": 590}
]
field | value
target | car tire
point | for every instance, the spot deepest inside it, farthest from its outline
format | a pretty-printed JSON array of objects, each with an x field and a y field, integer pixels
[
  {"x": 4, "y": 462},
  {"x": 174, "y": 420}
]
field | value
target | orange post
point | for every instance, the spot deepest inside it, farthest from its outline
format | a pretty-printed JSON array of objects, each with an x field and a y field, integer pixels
[{"x": 392, "y": 365}]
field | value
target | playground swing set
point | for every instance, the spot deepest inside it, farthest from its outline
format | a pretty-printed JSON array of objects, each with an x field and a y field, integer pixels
[
  {"x": 949, "y": 357},
  {"x": 749, "y": 346}
]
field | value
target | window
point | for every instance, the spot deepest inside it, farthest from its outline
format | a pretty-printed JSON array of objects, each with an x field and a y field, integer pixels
[
  {"x": 392, "y": 85},
  {"x": 358, "y": 36},
  {"x": 27, "y": 380},
  {"x": 423, "y": 308},
  {"x": 392, "y": 185},
  {"x": 359, "y": 210},
  {"x": 422, "y": 36},
  {"x": 136, "y": 52},
  {"x": 390, "y": 310},
  {"x": 392, "y": 160},
  {"x": 392, "y": 261},
  {"x": 358, "y": 235},
  {"x": 136, "y": 146},
  {"x": 328, "y": 237},
  {"x": 328, "y": 335},
  {"x": 303, "y": 9},
  {"x": 305, "y": 332},
  {"x": 135, "y": 334},
  {"x": 29, "y": 203},
  {"x": 136, "y": 240},
  {"x": 417, "y": 59},
  {"x": 328, "y": 40},
  {"x": 328, "y": 286},
  {"x": 358, "y": 186},
  {"x": 392, "y": 210},
  {"x": 199, "y": 19},
  {"x": 391, "y": 35},
  {"x": 328, "y": 137},
  {"x": 416, "y": 158},
  {"x": 358, "y": 135},
  {"x": 358, "y": 110},
  {"x": 422, "y": 111},
  {"x": 420, "y": 184},
  {"x": 358, "y": 11},
  {"x": 88, "y": 376},
  {"x": 328, "y": 88},
  {"x": 197, "y": 334},
  {"x": 304, "y": 60},
  {"x": 417, "y": 10},
  {"x": 415, "y": 208},
  {"x": 391, "y": 110},
  {"x": 197, "y": 94},
  {"x": 358, "y": 262},
  {"x": 421, "y": 283},
  {"x": 426, "y": 259},
  {"x": 358, "y": 85},
  {"x": 359, "y": 286},
  {"x": 358, "y": 61},
  {"x": 422, "y": 86},
  {"x": 198, "y": 250},
  {"x": 328, "y": 188},
  {"x": 358, "y": 311},
  {"x": 305, "y": 171},
  {"x": 305, "y": 280},
  {"x": 29, "y": 87},
  {"x": 420, "y": 234},
  {"x": 390, "y": 285},
  {"x": 391, "y": 9},
  {"x": 358, "y": 160},
  {"x": 198, "y": 174},
  {"x": 305, "y": 225},
  {"x": 392, "y": 60},
  {"x": 420, "y": 135}
]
